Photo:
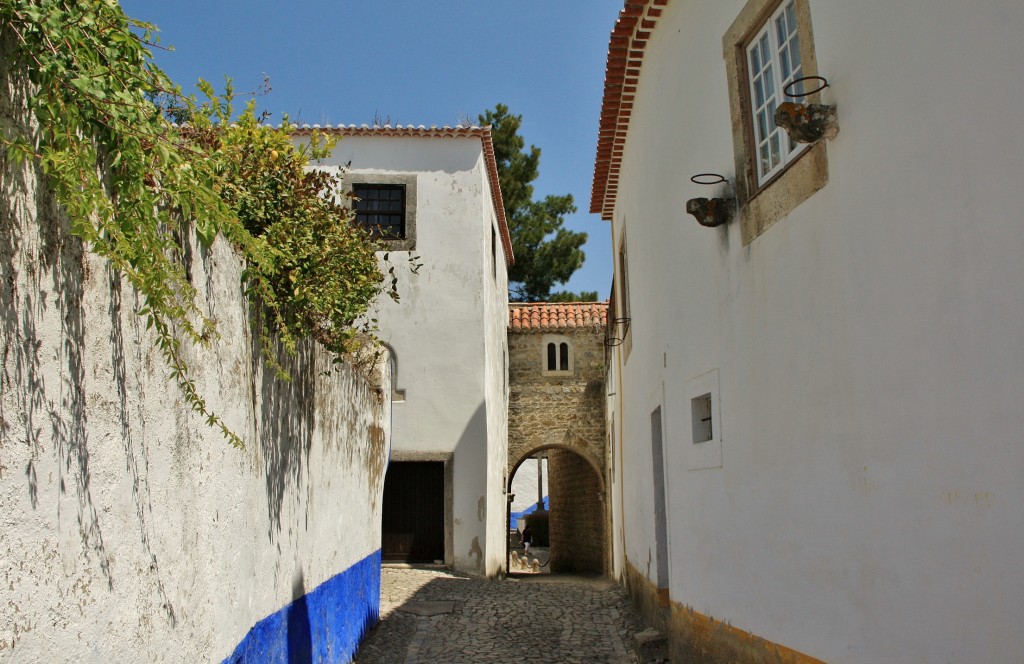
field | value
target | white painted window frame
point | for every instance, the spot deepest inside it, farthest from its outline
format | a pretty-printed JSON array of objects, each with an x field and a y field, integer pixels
[
  {"x": 767, "y": 78},
  {"x": 706, "y": 453}
]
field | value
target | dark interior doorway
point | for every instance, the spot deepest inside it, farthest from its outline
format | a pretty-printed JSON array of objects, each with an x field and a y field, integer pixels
[{"x": 413, "y": 514}]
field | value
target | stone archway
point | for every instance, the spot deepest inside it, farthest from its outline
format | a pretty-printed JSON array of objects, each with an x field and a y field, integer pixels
[
  {"x": 578, "y": 511},
  {"x": 557, "y": 402}
]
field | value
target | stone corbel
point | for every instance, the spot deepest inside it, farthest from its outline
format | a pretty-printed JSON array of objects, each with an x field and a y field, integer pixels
[
  {"x": 807, "y": 123},
  {"x": 710, "y": 212}
]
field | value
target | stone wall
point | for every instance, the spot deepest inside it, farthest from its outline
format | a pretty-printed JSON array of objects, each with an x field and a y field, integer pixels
[
  {"x": 577, "y": 515},
  {"x": 563, "y": 416},
  {"x": 566, "y": 411},
  {"x": 132, "y": 531}
]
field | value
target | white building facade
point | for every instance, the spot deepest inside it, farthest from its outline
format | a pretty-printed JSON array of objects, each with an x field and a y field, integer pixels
[
  {"x": 450, "y": 250},
  {"x": 816, "y": 415}
]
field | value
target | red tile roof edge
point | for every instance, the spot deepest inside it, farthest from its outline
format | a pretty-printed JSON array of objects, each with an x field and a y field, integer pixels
[
  {"x": 550, "y": 316},
  {"x": 629, "y": 37},
  {"x": 458, "y": 131}
]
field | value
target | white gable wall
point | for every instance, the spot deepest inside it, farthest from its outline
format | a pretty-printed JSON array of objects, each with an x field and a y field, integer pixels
[
  {"x": 444, "y": 329},
  {"x": 495, "y": 290},
  {"x": 868, "y": 507}
]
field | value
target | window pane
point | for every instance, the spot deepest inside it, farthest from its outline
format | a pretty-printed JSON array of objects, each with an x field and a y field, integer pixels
[
  {"x": 552, "y": 361},
  {"x": 766, "y": 54},
  {"x": 784, "y": 61},
  {"x": 769, "y": 83},
  {"x": 776, "y": 152},
  {"x": 765, "y": 166},
  {"x": 780, "y": 28},
  {"x": 791, "y": 17},
  {"x": 762, "y": 127},
  {"x": 791, "y": 145},
  {"x": 755, "y": 61},
  {"x": 759, "y": 92},
  {"x": 794, "y": 52},
  {"x": 563, "y": 349},
  {"x": 796, "y": 91}
]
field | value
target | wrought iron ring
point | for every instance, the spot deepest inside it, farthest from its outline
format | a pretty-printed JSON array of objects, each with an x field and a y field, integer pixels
[
  {"x": 821, "y": 79},
  {"x": 708, "y": 178}
]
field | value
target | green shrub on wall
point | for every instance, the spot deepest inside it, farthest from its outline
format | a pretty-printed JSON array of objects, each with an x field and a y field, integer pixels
[{"x": 135, "y": 186}]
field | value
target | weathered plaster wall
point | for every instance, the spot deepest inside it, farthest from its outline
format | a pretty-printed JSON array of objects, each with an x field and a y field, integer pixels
[
  {"x": 867, "y": 503},
  {"x": 448, "y": 330},
  {"x": 131, "y": 530},
  {"x": 495, "y": 294}
]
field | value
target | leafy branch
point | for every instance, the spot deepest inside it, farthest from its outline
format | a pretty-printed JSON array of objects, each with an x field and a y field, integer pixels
[{"x": 132, "y": 182}]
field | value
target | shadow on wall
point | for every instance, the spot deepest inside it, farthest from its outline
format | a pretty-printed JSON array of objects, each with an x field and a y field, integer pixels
[
  {"x": 300, "y": 638},
  {"x": 322, "y": 625},
  {"x": 27, "y": 258},
  {"x": 472, "y": 450},
  {"x": 286, "y": 423},
  {"x": 136, "y": 455}
]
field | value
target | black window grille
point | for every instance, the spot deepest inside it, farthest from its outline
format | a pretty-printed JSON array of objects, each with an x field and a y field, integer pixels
[{"x": 380, "y": 208}]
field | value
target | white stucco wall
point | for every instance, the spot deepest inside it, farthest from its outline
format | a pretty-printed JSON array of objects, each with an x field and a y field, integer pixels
[
  {"x": 868, "y": 505},
  {"x": 448, "y": 329},
  {"x": 524, "y": 484},
  {"x": 495, "y": 365},
  {"x": 131, "y": 530}
]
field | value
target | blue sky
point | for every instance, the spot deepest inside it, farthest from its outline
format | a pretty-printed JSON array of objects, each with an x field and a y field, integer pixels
[{"x": 416, "y": 62}]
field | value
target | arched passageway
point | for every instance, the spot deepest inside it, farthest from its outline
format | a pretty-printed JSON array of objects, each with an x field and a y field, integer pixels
[
  {"x": 573, "y": 529},
  {"x": 556, "y": 400}
]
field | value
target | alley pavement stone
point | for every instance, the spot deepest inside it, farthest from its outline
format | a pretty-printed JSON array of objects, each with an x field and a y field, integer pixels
[{"x": 434, "y": 616}]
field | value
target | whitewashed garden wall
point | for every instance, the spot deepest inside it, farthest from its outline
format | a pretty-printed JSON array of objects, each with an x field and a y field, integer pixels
[{"x": 131, "y": 531}]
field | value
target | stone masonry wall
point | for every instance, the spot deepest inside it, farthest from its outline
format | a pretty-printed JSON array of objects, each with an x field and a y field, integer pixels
[
  {"x": 577, "y": 522},
  {"x": 564, "y": 415},
  {"x": 557, "y": 410}
]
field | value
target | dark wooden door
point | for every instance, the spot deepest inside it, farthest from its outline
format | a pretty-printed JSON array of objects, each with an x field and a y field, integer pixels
[{"x": 413, "y": 528}]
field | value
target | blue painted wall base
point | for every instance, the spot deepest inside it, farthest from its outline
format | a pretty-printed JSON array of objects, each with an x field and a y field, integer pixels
[{"x": 324, "y": 625}]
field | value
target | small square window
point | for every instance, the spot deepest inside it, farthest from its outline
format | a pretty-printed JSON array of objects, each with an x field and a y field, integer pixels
[
  {"x": 380, "y": 208},
  {"x": 700, "y": 417},
  {"x": 385, "y": 205}
]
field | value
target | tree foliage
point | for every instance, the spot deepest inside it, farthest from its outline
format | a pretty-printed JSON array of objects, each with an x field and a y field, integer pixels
[
  {"x": 133, "y": 183},
  {"x": 546, "y": 253}
]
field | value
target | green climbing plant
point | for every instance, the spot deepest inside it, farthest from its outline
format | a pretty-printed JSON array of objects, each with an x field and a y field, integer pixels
[{"x": 134, "y": 184}]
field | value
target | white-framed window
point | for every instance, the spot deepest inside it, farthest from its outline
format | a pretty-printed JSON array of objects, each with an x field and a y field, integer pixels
[
  {"x": 769, "y": 45},
  {"x": 701, "y": 419},
  {"x": 557, "y": 354},
  {"x": 773, "y": 62},
  {"x": 705, "y": 411}
]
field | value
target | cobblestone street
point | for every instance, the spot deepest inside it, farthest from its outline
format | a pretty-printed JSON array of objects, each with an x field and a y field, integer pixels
[{"x": 432, "y": 616}]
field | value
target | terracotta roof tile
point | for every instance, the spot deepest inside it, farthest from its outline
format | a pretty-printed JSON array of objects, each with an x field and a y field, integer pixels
[
  {"x": 637, "y": 20},
  {"x": 458, "y": 131},
  {"x": 550, "y": 316}
]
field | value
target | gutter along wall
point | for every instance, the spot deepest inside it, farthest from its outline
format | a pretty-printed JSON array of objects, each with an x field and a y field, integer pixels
[{"x": 131, "y": 530}]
